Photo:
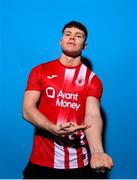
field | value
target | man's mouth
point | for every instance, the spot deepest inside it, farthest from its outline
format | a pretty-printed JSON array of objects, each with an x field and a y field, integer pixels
[{"x": 73, "y": 44}]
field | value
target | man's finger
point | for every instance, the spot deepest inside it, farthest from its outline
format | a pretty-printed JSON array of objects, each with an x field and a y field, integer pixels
[
  {"x": 64, "y": 126},
  {"x": 82, "y": 127},
  {"x": 71, "y": 127}
]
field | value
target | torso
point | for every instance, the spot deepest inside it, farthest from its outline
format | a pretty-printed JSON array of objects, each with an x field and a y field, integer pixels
[{"x": 63, "y": 98}]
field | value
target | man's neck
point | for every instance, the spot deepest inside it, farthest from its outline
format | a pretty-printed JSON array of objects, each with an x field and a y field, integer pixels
[{"x": 70, "y": 61}]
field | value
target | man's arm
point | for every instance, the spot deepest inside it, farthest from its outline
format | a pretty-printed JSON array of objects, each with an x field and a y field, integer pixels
[
  {"x": 35, "y": 117},
  {"x": 94, "y": 135}
]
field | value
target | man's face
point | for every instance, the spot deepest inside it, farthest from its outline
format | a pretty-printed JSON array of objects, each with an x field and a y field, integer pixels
[{"x": 73, "y": 41}]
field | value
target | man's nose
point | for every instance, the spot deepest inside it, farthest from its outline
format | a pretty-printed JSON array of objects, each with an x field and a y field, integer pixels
[{"x": 72, "y": 37}]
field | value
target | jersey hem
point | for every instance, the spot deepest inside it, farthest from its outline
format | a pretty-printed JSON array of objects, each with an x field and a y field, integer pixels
[{"x": 59, "y": 167}]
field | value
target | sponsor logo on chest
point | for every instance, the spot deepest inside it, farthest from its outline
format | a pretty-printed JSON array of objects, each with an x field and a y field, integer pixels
[{"x": 64, "y": 99}]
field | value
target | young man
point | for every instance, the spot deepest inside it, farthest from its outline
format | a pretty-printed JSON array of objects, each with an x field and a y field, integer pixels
[{"x": 62, "y": 100}]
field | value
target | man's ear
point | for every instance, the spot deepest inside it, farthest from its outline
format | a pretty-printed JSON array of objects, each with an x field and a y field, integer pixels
[
  {"x": 60, "y": 41},
  {"x": 85, "y": 45}
]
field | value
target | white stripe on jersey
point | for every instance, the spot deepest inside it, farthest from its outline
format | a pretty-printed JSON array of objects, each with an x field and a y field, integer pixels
[
  {"x": 69, "y": 74},
  {"x": 59, "y": 156},
  {"x": 61, "y": 118},
  {"x": 92, "y": 74},
  {"x": 73, "y": 163},
  {"x": 82, "y": 72},
  {"x": 85, "y": 156}
]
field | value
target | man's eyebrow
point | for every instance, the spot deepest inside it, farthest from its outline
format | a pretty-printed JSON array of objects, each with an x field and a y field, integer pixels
[
  {"x": 80, "y": 33},
  {"x": 68, "y": 31}
]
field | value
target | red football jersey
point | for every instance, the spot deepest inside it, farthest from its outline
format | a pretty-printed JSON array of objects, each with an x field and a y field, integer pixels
[{"x": 64, "y": 91}]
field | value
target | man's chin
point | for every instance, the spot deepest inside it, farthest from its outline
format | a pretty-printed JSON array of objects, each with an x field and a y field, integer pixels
[{"x": 72, "y": 54}]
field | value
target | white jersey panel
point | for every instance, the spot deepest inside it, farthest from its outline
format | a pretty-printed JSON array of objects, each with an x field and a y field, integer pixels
[
  {"x": 59, "y": 156},
  {"x": 72, "y": 158}
]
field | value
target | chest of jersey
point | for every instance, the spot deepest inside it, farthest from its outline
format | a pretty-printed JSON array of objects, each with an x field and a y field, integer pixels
[
  {"x": 67, "y": 86},
  {"x": 63, "y": 93}
]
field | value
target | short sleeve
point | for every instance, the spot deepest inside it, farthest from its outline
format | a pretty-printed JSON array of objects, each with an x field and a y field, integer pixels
[
  {"x": 34, "y": 79},
  {"x": 95, "y": 88}
]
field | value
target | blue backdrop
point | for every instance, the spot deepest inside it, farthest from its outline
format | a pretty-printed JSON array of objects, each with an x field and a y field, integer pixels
[{"x": 30, "y": 31}]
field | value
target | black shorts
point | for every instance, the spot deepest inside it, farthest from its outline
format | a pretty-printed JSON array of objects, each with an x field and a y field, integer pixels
[{"x": 33, "y": 171}]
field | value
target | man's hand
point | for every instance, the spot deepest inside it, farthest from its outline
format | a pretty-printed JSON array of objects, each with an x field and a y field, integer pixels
[
  {"x": 67, "y": 128},
  {"x": 100, "y": 162}
]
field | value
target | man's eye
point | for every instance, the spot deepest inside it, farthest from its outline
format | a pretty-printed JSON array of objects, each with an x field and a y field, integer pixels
[
  {"x": 67, "y": 34},
  {"x": 79, "y": 36}
]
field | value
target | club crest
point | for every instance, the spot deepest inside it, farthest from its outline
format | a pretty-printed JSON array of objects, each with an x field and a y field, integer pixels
[{"x": 80, "y": 82}]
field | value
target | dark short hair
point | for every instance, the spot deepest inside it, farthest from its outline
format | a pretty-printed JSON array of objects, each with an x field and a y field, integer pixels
[{"x": 78, "y": 25}]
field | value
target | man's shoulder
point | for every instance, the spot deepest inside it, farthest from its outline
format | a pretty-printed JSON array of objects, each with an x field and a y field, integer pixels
[
  {"x": 48, "y": 63},
  {"x": 45, "y": 65},
  {"x": 92, "y": 75}
]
